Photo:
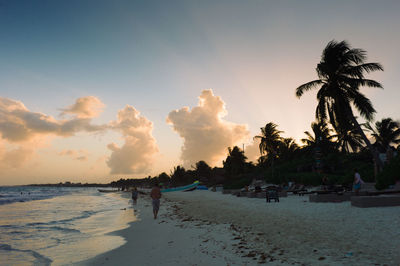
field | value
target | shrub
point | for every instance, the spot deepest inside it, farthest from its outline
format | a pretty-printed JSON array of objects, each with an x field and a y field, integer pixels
[{"x": 389, "y": 175}]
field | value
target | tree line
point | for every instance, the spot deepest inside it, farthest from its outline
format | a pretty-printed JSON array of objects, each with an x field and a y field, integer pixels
[{"x": 336, "y": 144}]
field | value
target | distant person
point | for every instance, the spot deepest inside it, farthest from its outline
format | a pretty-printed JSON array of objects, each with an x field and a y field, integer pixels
[
  {"x": 134, "y": 195},
  {"x": 357, "y": 182},
  {"x": 155, "y": 195}
]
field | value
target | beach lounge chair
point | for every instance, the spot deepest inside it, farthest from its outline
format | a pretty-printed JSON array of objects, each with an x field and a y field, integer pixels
[
  {"x": 371, "y": 191},
  {"x": 271, "y": 193},
  {"x": 300, "y": 190},
  {"x": 389, "y": 200},
  {"x": 338, "y": 189}
]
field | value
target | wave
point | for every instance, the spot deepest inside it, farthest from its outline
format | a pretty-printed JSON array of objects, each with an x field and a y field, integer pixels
[
  {"x": 8, "y": 225},
  {"x": 84, "y": 215},
  {"x": 35, "y": 224},
  {"x": 17, "y": 232},
  {"x": 59, "y": 228},
  {"x": 55, "y": 228},
  {"x": 10, "y": 195},
  {"x": 40, "y": 259},
  {"x": 15, "y": 198}
]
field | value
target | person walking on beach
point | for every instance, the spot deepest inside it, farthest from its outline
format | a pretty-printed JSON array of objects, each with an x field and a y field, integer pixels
[
  {"x": 155, "y": 195},
  {"x": 134, "y": 195},
  {"x": 357, "y": 182}
]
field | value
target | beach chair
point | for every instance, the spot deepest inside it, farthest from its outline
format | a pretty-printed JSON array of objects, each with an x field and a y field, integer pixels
[
  {"x": 332, "y": 189},
  {"x": 301, "y": 190},
  {"x": 271, "y": 193}
]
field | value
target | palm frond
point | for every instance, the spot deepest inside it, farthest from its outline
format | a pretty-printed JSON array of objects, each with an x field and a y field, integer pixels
[
  {"x": 307, "y": 86},
  {"x": 355, "y": 55},
  {"x": 357, "y": 71},
  {"x": 364, "y": 106},
  {"x": 357, "y": 82},
  {"x": 368, "y": 127},
  {"x": 370, "y": 67}
]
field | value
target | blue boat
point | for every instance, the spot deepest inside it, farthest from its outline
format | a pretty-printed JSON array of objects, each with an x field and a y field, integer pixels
[{"x": 183, "y": 188}]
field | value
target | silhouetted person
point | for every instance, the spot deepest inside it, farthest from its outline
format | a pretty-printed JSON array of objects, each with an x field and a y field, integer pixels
[
  {"x": 134, "y": 195},
  {"x": 357, "y": 182},
  {"x": 155, "y": 195}
]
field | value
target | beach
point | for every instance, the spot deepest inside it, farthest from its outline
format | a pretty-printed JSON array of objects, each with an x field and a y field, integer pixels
[{"x": 211, "y": 228}]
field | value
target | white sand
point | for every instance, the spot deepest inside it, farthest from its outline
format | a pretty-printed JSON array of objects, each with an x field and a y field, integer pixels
[{"x": 209, "y": 228}]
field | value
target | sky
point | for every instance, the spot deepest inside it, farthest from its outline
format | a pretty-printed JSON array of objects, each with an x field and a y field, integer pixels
[{"x": 93, "y": 91}]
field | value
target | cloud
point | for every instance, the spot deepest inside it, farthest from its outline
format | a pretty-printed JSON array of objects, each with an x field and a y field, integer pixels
[
  {"x": 18, "y": 124},
  {"x": 68, "y": 153},
  {"x": 15, "y": 157},
  {"x": 205, "y": 134},
  {"x": 22, "y": 131},
  {"x": 252, "y": 150},
  {"x": 81, "y": 158},
  {"x": 85, "y": 107},
  {"x": 138, "y": 152},
  {"x": 80, "y": 155}
]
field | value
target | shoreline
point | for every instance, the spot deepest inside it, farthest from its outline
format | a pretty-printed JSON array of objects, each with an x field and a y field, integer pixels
[
  {"x": 210, "y": 228},
  {"x": 172, "y": 239}
]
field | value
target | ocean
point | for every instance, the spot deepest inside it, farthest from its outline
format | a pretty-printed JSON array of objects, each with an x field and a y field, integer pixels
[{"x": 59, "y": 225}]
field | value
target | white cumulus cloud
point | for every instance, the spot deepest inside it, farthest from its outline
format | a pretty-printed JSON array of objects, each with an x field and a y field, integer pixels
[
  {"x": 206, "y": 135},
  {"x": 18, "y": 124},
  {"x": 12, "y": 158},
  {"x": 24, "y": 131},
  {"x": 85, "y": 107},
  {"x": 252, "y": 150},
  {"x": 139, "y": 149}
]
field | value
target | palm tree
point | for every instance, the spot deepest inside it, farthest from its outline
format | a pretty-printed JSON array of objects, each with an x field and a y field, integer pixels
[
  {"x": 321, "y": 143},
  {"x": 178, "y": 175},
  {"x": 287, "y": 148},
  {"x": 385, "y": 133},
  {"x": 322, "y": 136},
  {"x": 203, "y": 170},
  {"x": 349, "y": 139},
  {"x": 341, "y": 74},
  {"x": 270, "y": 140},
  {"x": 235, "y": 162}
]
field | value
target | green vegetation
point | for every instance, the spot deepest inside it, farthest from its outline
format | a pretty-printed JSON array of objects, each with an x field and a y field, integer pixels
[{"x": 389, "y": 175}]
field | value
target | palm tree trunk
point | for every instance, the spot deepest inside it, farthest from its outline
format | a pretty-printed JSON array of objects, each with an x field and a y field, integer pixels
[{"x": 378, "y": 165}]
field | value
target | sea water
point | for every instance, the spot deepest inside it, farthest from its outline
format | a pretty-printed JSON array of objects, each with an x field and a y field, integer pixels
[{"x": 58, "y": 225}]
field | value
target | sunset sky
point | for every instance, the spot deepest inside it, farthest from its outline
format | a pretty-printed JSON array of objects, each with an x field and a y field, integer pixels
[{"x": 91, "y": 91}]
